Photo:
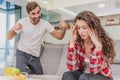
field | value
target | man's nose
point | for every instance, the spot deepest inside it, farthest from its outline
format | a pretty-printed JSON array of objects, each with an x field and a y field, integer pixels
[{"x": 37, "y": 15}]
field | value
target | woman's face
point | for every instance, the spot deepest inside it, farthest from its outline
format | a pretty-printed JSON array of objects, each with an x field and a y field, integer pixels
[{"x": 82, "y": 28}]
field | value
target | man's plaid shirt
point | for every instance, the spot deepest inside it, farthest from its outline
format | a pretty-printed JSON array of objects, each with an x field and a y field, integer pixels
[{"x": 76, "y": 60}]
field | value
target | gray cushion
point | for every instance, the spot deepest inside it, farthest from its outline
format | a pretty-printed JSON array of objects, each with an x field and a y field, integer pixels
[
  {"x": 117, "y": 51},
  {"x": 115, "y": 71},
  {"x": 44, "y": 77},
  {"x": 62, "y": 66},
  {"x": 50, "y": 58}
]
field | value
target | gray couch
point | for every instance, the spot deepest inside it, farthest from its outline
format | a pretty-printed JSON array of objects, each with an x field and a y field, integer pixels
[{"x": 53, "y": 59}]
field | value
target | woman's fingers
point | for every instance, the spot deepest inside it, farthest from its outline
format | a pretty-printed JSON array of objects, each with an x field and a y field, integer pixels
[
  {"x": 73, "y": 32},
  {"x": 93, "y": 35},
  {"x": 90, "y": 33},
  {"x": 73, "y": 28}
]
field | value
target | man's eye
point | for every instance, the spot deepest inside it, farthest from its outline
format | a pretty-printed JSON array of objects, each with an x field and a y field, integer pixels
[
  {"x": 33, "y": 13},
  {"x": 38, "y": 12}
]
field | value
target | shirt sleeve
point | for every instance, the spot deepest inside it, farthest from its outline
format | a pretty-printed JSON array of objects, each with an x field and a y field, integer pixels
[
  {"x": 96, "y": 62},
  {"x": 19, "y": 22},
  {"x": 72, "y": 58},
  {"x": 50, "y": 28}
]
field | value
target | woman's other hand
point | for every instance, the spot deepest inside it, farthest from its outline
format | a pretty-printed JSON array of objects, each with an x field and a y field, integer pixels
[
  {"x": 94, "y": 38},
  {"x": 73, "y": 32}
]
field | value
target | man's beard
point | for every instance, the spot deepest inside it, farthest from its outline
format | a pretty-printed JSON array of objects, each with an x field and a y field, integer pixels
[{"x": 35, "y": 20}]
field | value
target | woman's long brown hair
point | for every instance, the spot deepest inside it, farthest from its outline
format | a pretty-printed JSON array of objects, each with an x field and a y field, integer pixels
[{"x": 94, "y": 23}]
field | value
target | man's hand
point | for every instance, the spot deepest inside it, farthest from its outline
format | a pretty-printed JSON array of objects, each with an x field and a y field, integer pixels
[
  {"x": 62, "y": 24},
  {"x": 17, "y": 28},
  {"x": 12, "y": 32}
]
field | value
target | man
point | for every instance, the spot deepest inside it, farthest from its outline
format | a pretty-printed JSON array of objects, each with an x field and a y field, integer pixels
[{"x": 32, "y": 29}]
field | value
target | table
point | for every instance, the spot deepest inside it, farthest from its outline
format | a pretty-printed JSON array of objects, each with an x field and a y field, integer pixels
[{"x": 4, "y": 78}]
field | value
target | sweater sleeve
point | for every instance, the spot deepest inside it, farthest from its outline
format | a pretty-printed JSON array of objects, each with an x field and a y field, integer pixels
[
  {"x": 96, "y": 62},
  {"x": 72, "y": 58}
]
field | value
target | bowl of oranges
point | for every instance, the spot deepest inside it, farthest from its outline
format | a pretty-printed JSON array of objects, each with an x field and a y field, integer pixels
[{"x": 13, "y": 73}]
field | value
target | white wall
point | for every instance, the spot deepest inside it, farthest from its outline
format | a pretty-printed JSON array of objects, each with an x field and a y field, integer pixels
[
  {"x": 24, "y": 12},
  {"x": 113, "y": 31},
  {"x": 21, "y": 3},
  {"x": 50, "y": 39},
  {"x": 67, "y": 3}
]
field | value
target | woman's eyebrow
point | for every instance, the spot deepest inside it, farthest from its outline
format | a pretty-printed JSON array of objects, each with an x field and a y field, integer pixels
[{"x": 82, "y": 26}]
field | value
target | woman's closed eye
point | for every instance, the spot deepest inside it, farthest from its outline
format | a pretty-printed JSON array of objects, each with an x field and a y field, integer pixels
[{"x": 82, "y": 27}]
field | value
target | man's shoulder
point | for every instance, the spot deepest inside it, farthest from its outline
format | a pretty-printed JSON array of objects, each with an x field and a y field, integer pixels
[
  {"x": 24, "y": 18},
  {"x": 22, "y": 21},
  {"x": 44, "y": 21}
]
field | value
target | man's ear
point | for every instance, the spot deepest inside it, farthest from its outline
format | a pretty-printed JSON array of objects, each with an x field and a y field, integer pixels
[{"x": 41, "y": 15}]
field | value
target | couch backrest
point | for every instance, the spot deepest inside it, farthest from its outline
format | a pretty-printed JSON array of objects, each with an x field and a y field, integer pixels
[
  {"x": 117, "y": 51},
  {"x": 62, "y": 66},
  {"x": 50, "y": 58}
]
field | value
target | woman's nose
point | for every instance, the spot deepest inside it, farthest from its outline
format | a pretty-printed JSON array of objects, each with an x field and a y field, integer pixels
[{"x": 81, "y": 31}]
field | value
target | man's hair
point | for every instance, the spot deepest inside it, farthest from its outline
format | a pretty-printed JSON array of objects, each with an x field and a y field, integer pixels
[{"x": 31, "y": 6}]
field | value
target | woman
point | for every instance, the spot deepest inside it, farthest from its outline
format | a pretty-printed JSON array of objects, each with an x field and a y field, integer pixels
[{"x": 90, "y": 50}]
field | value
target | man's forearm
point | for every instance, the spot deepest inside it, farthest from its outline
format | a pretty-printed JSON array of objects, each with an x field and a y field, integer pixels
[
  {"x": 58, "y": 34},
  {"x": 63, "y": 30},
  {"x": 11, "y": 34}
]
